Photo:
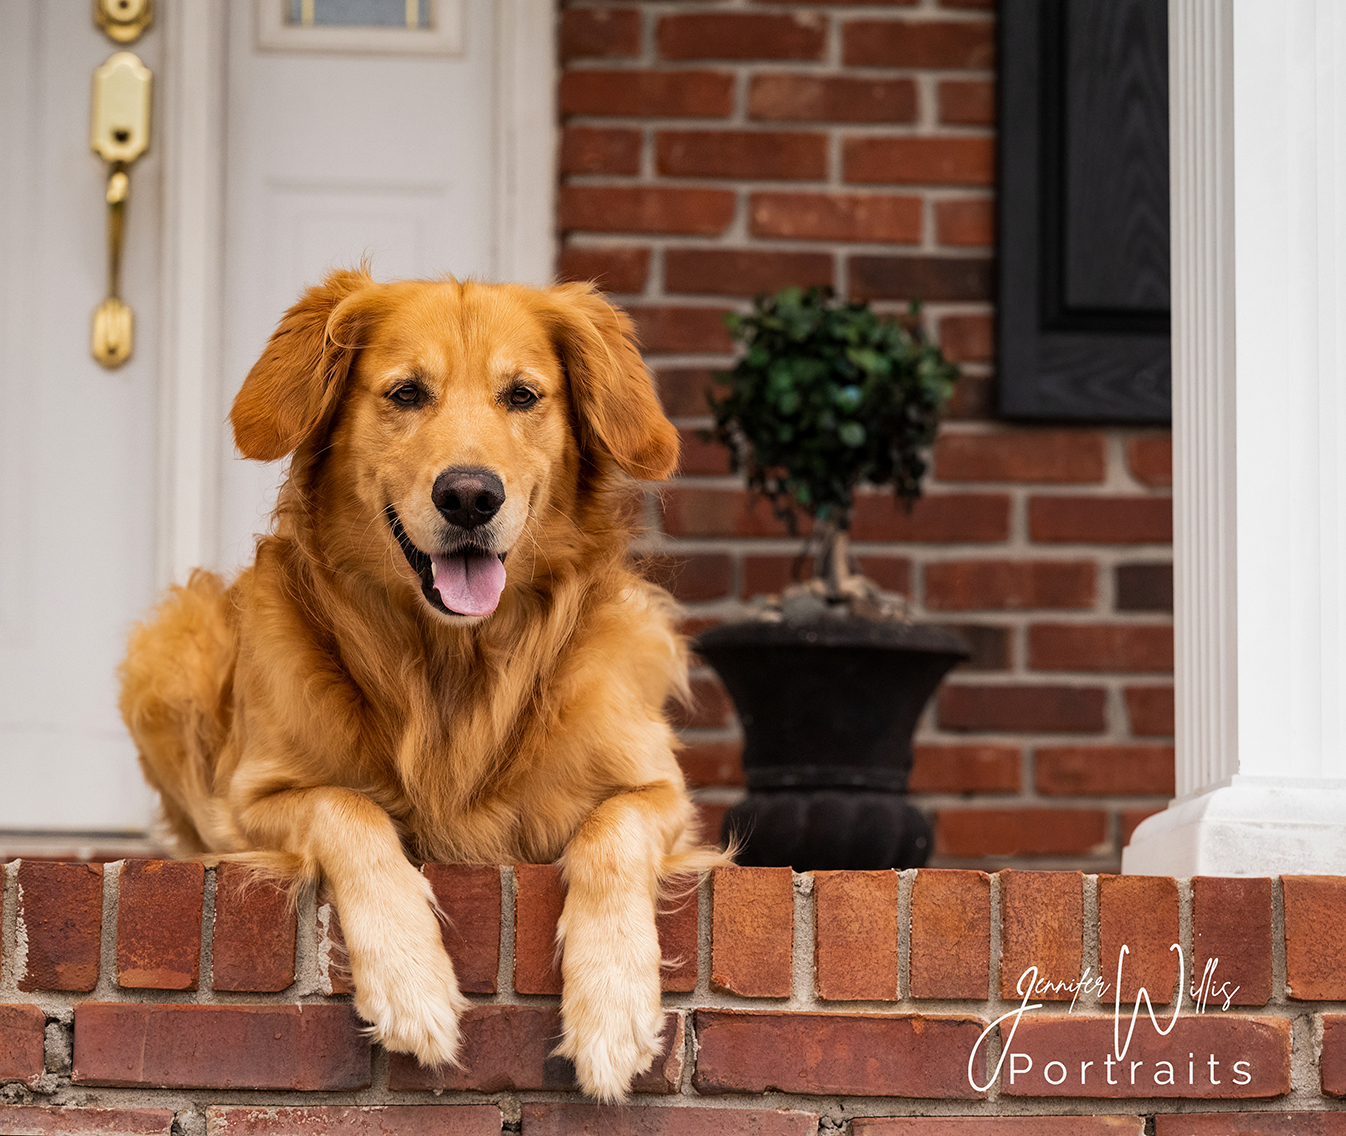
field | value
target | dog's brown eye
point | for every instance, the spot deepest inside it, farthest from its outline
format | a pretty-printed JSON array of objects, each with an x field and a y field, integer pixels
[
  {"x": 521, "y": 398},
  {"x": 408, "y": 394}
]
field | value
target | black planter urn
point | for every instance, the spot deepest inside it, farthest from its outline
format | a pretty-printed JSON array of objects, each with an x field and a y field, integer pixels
[{"x": 828, "y": 709}]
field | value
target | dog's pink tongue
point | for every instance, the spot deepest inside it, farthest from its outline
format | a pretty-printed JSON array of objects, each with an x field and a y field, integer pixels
[{"x": 469, "y": 585}]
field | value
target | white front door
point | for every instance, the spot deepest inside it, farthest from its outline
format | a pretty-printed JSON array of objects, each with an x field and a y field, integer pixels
[{"x": 280, "y": 148}]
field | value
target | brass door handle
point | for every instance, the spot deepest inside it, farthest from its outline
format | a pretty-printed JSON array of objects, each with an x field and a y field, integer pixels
[{"x": 119, "y": 132}]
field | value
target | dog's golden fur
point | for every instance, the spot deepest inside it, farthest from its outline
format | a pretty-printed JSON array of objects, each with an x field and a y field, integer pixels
[{"x": 320, "y": 716}]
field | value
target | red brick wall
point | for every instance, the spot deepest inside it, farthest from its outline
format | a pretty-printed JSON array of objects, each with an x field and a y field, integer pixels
[
  {"x": 712, "y": 150},
  {"x": 148, "y": 997}
]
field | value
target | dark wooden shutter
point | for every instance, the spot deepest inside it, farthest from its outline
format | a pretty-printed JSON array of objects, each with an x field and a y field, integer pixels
[{"x": 1083, "y": 303}]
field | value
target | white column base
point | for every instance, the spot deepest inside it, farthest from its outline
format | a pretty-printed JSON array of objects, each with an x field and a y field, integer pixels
[{"x": 1246, "y": 826}]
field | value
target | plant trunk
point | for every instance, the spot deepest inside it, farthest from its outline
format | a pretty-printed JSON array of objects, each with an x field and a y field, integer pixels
[{"x": 832, "y": 564}]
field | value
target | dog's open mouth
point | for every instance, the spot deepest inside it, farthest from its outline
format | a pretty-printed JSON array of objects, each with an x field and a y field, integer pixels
[{"x": 467, "y": 581}]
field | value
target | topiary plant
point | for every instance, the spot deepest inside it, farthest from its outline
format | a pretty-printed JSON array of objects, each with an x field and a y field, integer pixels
[{"x": 826, "y": 396}]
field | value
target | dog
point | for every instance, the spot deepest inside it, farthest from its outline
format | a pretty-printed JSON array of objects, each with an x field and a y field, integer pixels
[{"x": 441, "y": 651}]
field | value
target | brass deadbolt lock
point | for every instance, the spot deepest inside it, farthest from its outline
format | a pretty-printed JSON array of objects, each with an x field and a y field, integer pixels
[{"x": 123, "y": 20}]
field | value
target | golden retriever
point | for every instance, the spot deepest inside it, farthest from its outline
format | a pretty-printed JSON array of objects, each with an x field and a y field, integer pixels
[{"x": 441, "y": 652}]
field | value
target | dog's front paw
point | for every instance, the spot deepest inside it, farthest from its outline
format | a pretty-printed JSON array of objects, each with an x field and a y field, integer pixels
[
  {"x": 412, "y": 1003},
  {"x": 610, "y": 1013}
]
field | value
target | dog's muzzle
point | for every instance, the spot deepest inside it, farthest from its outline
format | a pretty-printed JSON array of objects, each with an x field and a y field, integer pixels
[{"x": 467, "y": 581}]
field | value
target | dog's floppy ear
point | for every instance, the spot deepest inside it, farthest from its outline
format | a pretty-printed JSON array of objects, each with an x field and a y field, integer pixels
[
  {"x": 292, "y": 389},
  {"x": 617, "y": 411}
]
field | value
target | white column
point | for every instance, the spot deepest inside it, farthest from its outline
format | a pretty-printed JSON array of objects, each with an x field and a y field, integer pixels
[{"x": 1258, "y": 167}]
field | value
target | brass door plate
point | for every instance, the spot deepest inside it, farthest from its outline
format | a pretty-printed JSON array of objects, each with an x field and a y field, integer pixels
[
  {"x": 119, "y": 124},
  {"x": 123, "y": 20}
]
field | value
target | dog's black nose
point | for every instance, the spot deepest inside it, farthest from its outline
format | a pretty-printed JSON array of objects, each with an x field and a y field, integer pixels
[{"x": 468, "y": 497}]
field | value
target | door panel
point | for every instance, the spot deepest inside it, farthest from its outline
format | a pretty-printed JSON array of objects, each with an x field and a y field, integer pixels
[
  {"x": 77, "y": 476},
  {"x": 334, "y": 157}
]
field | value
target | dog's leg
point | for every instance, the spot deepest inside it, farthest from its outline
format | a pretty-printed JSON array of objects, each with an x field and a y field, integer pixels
[
  {"x": 610, "y": 962},
  {"x": 404, "y": 982}
]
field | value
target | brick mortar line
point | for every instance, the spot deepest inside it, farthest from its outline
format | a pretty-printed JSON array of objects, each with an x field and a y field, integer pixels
[
  {"x": 906, "y": 882},
  {"x": 107, "y": 988},
  {"x": 205, "y": 986},
  {"x": 804, "y": 966}
]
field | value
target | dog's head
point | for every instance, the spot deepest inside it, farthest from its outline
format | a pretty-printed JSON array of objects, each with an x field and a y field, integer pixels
[{"x": 452, "y": 418}]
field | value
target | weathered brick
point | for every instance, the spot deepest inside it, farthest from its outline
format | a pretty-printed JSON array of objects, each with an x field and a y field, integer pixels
[
  {"x": 159, "y": 925},
  {"x": 964, "y": 769},
  {"x": 677, "y": 920},
  {"x": 735, "y": 35},
  {"x": 831, "y": 98},
  {"x": 765, "y": 574},
  {"x": 1250, "y": 1124},
  {"x": 872, "y": 217},
  {"x": 509, "y": 1049},
  {"x": 538, "y": 899},
  {"x": 1105, "y": 771},
  {"x": 989, "y": 646},
  {"x": 914, "y": 160},
  {"x": 946, "y": 44},
  {"x": 22, "y": 1029},
  {"x": 752, "y": 932},
  {"x": 950, "y": 934},
  {"x": 710, "y": 708},
  {"x": 1009, "y": 585},
  {"x": 1021, "y": 832},
  {"x": 1042, "y": 926},
  {"x": 34, "y": 1120},
  {"x": 998, "y": 1126},
  {"x": 1143, "y": 587},
  {"x": 683, "y": 391},
  {"x": 311, "y": 1047},
  {"x": 665, "y": 329},
  {"x": 1140, "y": 913},
  {"x": 647, "y": 94},
  {"x": 354, "y": 1120},
  {"x": 689, "y": 576},
  {"x": 968, "y": 339},
  {"x": 333, "y": 958},
  {"x": 1150, "y": 459},
  {"x": 967, "y": 102},
  {"x": 923, "y": 278},
  {"x": 599, "y": 33},
  {"x": 710, "y": 820},
  {"x": 974, "y": 396},
  {"x": 1019, "y": 708},
  {"x": 1315, "y": 937},
  {"x": 1231, "y": 923},
  {"x": 600, "y": 1120},
  {"x": 599, "y": 150},
  {"x": 755, "y": 154},
  {"x": 61, "y": 910},
  {"x": 1101, "y": 520},
  {"x": 877, "y": 1055},
  {"x": 1149, "y": 709},
  {"x": 644, "y": 209},
  {"x": 1058, "y": 456},
  {"x": 941, "y": 518},
  {"x": 712, "y": 763},
  {"x": 701, "y": 456},
  {"x": 1263, "y": 1043},
  {"x": 695, "y": 512},
  {"x": 855, "y": 936},
  {"x": 966, "y": 222},
  {"x": 619, "y": 270},
  {"x": 254, "y": 933},
  {"x": 1114, "y": 647},
  {"x": 1332, "y": 1061},
  {"x": 742, "y": 272},
  {"x": 469, "y": 896}
]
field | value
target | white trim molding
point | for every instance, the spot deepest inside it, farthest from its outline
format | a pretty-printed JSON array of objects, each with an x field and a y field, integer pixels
[
  {"x": 1258, "y": 160},
  {"x": 192, "y": 140},
  {"x": 525, "y": 140}
]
